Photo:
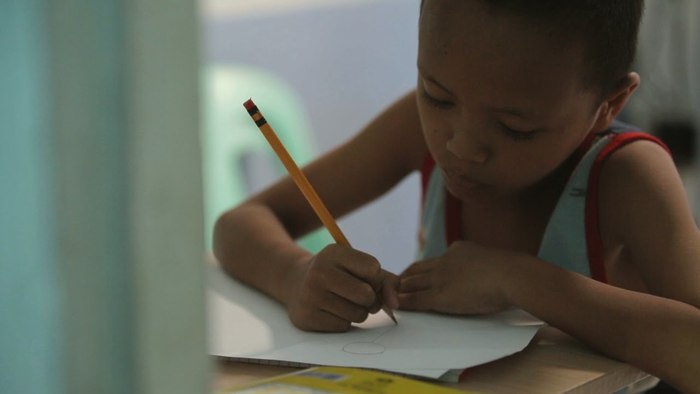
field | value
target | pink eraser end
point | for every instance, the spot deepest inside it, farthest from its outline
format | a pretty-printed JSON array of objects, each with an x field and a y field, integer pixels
[{"x": 249, "y": 104}]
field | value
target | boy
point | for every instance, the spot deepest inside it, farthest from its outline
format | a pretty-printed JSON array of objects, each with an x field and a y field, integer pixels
[{"x": 525, "y": 203}]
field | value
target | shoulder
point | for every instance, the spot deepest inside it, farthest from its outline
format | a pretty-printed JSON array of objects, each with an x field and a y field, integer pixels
[
  {"x": 635, "y": 158},
  {"x": 636, "y": 180},
  {"x": 638, "y": 166},
  {"x": 644, "y": 210}
]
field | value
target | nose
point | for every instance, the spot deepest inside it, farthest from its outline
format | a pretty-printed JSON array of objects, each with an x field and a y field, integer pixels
[{"x": 467, "y": 148}]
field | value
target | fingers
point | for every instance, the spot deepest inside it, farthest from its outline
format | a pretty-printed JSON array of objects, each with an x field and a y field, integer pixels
[
  {"x": 362, "y": 282},
  {"x": 342, "y": 296},
  {"x": 340, "y": 287},
  {"x": 363, "y": 266},
  {"x": 418, "y": 287},
  {"x": 420, "y": 267},
  {"x": 388, "y": 293},
  {"x": 348, "y": 287},
  {"x": 325, "y": 311},
  {"x": 344, "y": 309},
  {"x": 418, "y": 300},
  {"x": 419, "y": 275},
  {"x": 390, "y": 290},
  {"x": 322, "y": 321},
  {"x": 416, "y": 283}
]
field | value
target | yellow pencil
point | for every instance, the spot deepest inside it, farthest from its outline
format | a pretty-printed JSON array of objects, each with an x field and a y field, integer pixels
[{"x": 300, "y": 179}]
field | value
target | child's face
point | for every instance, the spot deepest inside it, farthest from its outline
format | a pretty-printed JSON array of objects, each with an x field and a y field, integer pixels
[{"x": 502, "y": 105}]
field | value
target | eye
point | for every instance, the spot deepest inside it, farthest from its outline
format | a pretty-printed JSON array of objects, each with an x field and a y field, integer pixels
[
  {"x": 518, "y": 135},
  {"x": 435, "y": 102}
]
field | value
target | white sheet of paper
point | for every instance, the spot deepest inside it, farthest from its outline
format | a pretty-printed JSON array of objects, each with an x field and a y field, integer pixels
[{"x": 246, "y": 324}]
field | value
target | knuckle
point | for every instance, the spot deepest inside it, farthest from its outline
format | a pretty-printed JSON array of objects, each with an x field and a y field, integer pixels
[
  {"x": 328, "y": 254},
  {"x": 411, "y": 301},
  {"x": 328, "y": 249},
  {"x": 366, "y": 295},
  {"x": 316, "y": 275},
  {"x": 373, "y": 266},
  {"x": 406, "y": 283},
  {"x": 339, "y": 325},
  {"x": 360, "y": 316}
]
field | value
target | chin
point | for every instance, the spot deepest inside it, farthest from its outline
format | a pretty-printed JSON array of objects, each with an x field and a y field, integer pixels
[{"x": 464, "y": 189}]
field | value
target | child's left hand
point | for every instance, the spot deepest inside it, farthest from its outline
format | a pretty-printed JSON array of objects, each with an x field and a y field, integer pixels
[{"x": 467, "y": 279}]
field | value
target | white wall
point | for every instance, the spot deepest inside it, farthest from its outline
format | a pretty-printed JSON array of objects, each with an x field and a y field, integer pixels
[
  {"x": 347, "y": 60},
  {"x": 668, "y": 60}
]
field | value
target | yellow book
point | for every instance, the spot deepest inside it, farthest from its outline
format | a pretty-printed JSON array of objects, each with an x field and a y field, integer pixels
[{"x": 331, "y": 380}]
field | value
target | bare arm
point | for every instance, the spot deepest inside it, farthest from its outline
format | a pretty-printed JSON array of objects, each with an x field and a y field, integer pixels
[
  {"x": 658, "y": 335},
  {"x": 647, "y": 225},
  {"x": 255, "y": 241},
  {"x": 645, "y": 214}
]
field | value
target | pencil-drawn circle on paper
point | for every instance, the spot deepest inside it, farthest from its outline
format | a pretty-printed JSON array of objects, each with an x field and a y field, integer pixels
[{"x": 366, "y": 348}]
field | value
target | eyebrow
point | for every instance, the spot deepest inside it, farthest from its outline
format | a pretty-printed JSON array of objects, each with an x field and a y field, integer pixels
[
  {"x": 508, "y": 110},
  {"x": 431, "y": 79},
  {"x": 513, "y": 111}
]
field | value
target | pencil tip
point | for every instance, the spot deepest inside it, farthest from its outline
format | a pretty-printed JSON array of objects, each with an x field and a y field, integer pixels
[{"x": 390, "y": 312}]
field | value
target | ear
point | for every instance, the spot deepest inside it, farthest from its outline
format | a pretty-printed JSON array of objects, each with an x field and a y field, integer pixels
[{"x": 616, "y": 101}]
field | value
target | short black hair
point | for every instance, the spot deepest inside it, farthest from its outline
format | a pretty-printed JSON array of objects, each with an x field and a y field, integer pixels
[{"x": 607, "y": 29}]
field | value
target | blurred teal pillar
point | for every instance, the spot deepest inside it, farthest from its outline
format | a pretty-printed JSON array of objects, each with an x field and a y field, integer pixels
[
  {"x": 101, "y": 281},
  {"x": 30, "y": 302}
]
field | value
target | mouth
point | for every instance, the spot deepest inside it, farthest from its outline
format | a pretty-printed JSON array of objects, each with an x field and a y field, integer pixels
[{"x": 461, "y": 181}]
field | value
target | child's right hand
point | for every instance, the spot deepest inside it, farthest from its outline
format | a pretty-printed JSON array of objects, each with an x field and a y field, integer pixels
[{"x": 337, "y": 287}]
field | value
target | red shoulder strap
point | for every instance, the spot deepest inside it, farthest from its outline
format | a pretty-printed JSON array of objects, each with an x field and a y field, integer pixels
[
  {"x": 453, "y": 213},
  {"x": 594, "y": 243}
]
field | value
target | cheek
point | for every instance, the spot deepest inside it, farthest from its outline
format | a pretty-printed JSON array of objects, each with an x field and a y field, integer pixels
[
  {"x": 529, "y": 166},
  {"x": 435, "y": 133},
  {"x": 436, "y": 142}
]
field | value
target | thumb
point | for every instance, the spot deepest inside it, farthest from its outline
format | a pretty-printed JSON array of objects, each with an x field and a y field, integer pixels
[
  {"x": 387, "y": 292},
  {"x": 390, "y": 290}
]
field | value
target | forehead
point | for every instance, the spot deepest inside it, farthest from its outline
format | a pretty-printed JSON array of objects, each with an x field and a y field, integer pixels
[{"x": 468, "y": 45}]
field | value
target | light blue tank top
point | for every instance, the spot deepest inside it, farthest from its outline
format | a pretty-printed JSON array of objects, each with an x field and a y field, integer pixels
[{"x": 571, "y": 238}]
